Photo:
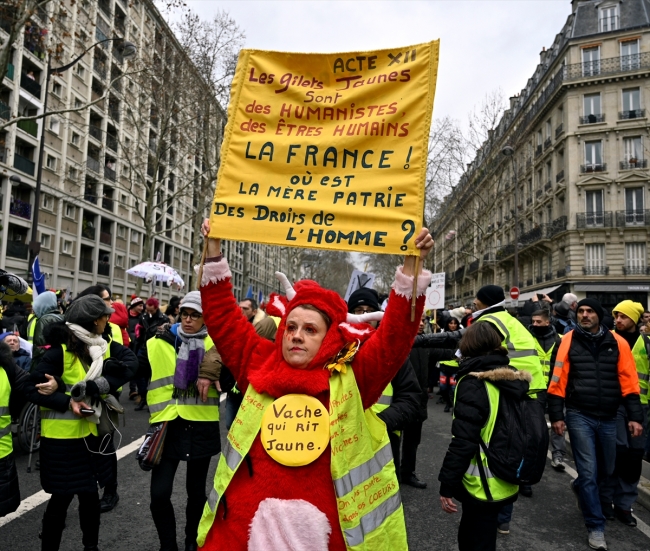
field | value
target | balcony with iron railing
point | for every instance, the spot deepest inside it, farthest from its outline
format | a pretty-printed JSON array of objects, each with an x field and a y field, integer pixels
[
  {"x": 103, "y": 269},
  {"x": 559, "y": 176},
  {"x": 88, "y": 230},
  {"x": 99, "y": 67},
  {"x": 539, "y": 278},
  {"x": 473, "y": 267},
  {"x": 109, "y": 173},
  {"x": 29, "y": 84},
  {"x": 548, "y": 276},
  {"x": 24, "y": 164},
  {"x": 108, "y": 204},
  {"x": 632, "y": 164},
  {"x": 94, "y": 165},
  {"x": 547, "y": 143},
  {"x": 592, "y": 119},
  {"x": 538, "y": 193},
  {"x": 636, "y": 270},
  {"x": 602, "y": 219},
  {"x": 559, "y": 130},
  {"x": 105, "y": 237},
  {"x": 16, "y": 249},
  {"x": 561, "y": 273},
  {"x": 595, "y": 270},
  {"x": 20, "y": 208},
  {"x": 587, "y": 168},
  {"x": 631, "y": 114},
  {"x": 111, "y": 142},
  {"x": 529, "y": 282},
  {"x": 95, "y": 132},
  {"x": 548, "y": 186},
  {"x": 86, "y": 265},
  {"x": 632, "y": 217},
  {"x": 538, "y": 150}
]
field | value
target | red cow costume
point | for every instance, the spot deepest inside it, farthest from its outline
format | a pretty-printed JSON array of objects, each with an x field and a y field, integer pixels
[{"x": 259, "y": 362}]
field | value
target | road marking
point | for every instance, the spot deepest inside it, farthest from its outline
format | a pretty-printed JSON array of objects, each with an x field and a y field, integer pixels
[
  {"x": 641, "y": 526},
  {"x": 41, "y": 497}
]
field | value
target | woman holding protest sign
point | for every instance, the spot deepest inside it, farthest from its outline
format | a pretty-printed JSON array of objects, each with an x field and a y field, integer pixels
[{"x": 307, "y": 465}]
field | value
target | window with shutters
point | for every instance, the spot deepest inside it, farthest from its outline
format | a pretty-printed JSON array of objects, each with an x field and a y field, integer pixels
[
  {"x": 595, "y": 259},
  {"x": 635, "y": 259}
]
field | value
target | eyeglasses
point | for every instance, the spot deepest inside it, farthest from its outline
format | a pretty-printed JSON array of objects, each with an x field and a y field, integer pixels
[
  {"x": 193, "y": 316},
  {"x": 107, "y": 299},
  {"x": 363, "y": 310}
]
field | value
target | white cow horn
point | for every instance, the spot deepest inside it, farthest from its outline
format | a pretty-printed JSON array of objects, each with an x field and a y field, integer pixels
[
  {"x": 365, "y": 318},
  {"x": 288, "y": 288}
]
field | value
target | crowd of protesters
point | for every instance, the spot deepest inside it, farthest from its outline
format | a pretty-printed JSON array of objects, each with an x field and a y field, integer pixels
[{"x": 586, "y": 367}]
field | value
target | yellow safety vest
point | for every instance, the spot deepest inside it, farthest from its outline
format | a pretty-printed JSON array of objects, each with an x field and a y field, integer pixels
[
  {"x": 116, "y": 333},
  {"x": 6, "y": 445},
  {"x": 641, "y": 352},
  {"x": 31, "y": 327},
  {"x": 520, "y": 344},
  {"x": 499, "y": 489},
  {"x": 385, "y": 401},
  {"x": 162, "y": 357},
  {"x": 67, "y": 425},
  {"x": 545, "y": 359},
  {"x": 371, "y": 520}
]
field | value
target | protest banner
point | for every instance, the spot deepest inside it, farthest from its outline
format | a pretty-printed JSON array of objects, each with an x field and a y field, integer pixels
[
  {"x": 327, "y": 150},
  {"x": 436, "y": 292}
]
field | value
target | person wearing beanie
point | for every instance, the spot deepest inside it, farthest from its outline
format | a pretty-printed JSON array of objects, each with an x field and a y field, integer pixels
[
  {"x": 112, "y": 331},
  {"x": 180, "y": 357},
  {"x": 151, "y": 322},
  {"x": 594, "y": 374},
  {"x": 315, "y": 368},
  {"x": 78, "y": 372},
  {"x": 401, "y": 405},
  {"x": 620, "y": 490}
]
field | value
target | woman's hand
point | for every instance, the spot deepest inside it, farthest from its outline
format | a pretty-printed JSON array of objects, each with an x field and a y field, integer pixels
[
  {"x": 49, "y": 387},
  {"x": 76, "y": 408},
  {"x": 214, "y": 245},
  {"x": 425, "y": 243},
  {"x": 448, "y": 505},
  {"x": 203, "y": 385}
]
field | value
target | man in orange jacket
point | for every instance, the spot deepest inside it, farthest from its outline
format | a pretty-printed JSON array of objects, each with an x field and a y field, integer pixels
[{"x": 594, "y": 373}]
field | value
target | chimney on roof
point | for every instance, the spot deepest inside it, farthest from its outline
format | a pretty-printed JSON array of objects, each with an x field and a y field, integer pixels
[{"x": 513, "y": 101}]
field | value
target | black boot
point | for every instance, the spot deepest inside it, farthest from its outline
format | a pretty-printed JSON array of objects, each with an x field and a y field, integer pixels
[{"x": 143, "y": 403}]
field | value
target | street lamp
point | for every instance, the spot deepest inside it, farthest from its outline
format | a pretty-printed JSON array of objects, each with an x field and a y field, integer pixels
[
  {"x": 128, "y": 50},
  {"x": 509, "y": 151}
]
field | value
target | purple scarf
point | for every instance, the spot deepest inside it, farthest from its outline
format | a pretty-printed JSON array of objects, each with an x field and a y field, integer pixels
[{"x": 188, "y": 361}]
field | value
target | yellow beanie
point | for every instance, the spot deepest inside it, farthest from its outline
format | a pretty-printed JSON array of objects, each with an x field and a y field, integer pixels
[{"x": 632, "y": 310}]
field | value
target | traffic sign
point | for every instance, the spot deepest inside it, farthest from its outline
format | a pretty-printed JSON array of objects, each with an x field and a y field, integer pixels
[{"x": 514, "y": 293}]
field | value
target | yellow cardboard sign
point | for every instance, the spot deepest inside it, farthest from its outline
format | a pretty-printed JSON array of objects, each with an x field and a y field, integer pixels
[
  {"x": 295, "y": 430},
  {"x": 327, "y": 150}
]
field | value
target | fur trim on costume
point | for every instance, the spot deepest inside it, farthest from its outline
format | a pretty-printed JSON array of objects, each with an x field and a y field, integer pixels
[
  {"x": 403, "y": 284},
  {"x": 213, "y": 272},
  {"x": 288, "y": 525},
  {"x": 356, "y": 332},
  {"x": 503, "y": 374}
]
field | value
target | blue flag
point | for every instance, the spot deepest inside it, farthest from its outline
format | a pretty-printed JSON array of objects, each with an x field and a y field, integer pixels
[
  {"x": 38, "y": 286},
  {"x": 249, "y": 293},
  {"x": 260, "y": 297}
]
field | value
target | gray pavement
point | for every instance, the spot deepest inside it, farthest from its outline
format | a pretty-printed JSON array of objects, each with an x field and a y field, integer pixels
[{"x": 548, "y": 521}]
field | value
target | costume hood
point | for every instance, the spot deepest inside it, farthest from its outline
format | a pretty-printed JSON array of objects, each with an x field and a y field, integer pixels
[{"x": 45, "y": 303}]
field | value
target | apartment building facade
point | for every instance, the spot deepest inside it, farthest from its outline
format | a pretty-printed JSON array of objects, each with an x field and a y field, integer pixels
[
  {"x": 90, "y": 224},
  {"x": 568, "y": 164}
]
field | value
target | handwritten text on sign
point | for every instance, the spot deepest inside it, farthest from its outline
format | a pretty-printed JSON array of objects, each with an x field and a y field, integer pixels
[{"x": 327, "y": 150}]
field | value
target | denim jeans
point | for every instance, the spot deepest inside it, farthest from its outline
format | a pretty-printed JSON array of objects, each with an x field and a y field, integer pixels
[{"x": 593, "y": 441}]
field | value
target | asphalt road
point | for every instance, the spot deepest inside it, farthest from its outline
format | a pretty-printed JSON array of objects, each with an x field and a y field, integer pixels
[{"x": 548, "y": 521}]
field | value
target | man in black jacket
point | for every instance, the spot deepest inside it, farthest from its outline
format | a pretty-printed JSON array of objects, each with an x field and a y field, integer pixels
[
  {"x": 399, "y": 406},
  {"x": 594, "y": 373}
]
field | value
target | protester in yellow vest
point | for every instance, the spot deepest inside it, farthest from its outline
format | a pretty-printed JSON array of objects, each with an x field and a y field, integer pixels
[
  {"x": 307, "y": 464},
  {"x": 484, "y": 373},
  {"x": 177, "y": 356},
  {"x": 12, "y": 382},
  {"x": 620, "y": 490},
  {"x": 79, "y": 370}
]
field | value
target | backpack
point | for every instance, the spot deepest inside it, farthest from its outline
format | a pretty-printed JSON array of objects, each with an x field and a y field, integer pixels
[{"x": 519, "y": 443}]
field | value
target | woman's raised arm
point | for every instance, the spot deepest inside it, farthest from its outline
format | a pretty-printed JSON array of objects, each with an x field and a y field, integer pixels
[{"x": 233, "y": 335}]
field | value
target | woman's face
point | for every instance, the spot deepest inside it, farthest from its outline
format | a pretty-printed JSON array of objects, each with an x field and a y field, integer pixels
[
  {"x": 191, "y": 321},
  {"x": 303, "y": 335},
  {"x": 100, "y": 324},
  {"x": 453, "y": 324}
]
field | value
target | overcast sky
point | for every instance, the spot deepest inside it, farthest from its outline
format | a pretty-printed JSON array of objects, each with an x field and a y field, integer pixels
[{"x": 485, "y": 44}]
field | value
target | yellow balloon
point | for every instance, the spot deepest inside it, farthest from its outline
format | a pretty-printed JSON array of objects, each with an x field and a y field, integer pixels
[{"x": 295, "y": 429}]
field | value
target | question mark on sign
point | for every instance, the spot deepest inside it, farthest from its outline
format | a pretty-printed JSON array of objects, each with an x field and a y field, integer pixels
[{"x": 409, "y": 227}]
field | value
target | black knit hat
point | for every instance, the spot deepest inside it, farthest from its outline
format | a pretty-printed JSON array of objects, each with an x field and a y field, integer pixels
[
  {"x": 491, "y": 294},
  {"x": 86, "y": 309},
  {"x": 594, "y": 305},
  {"x": 364, "y": 297}
]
